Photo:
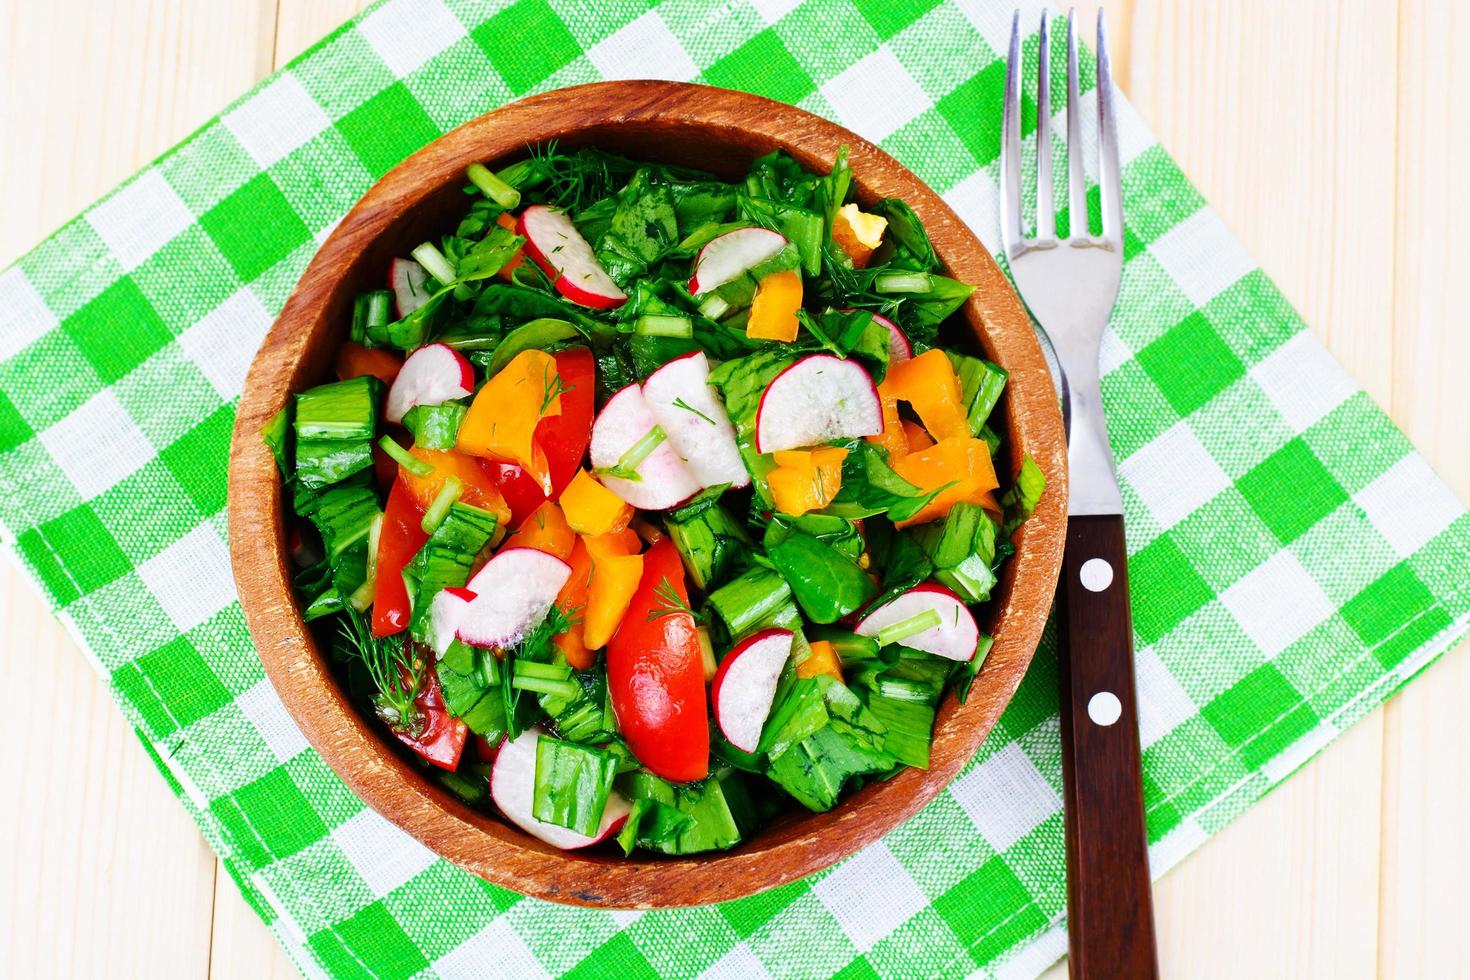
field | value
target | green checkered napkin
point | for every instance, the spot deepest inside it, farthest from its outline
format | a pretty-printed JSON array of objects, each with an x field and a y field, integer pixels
[{"x": 1293, "y": 559}]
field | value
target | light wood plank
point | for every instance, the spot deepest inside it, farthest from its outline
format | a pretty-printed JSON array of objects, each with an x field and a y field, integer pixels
[
  {"x": 102, "y": 872},
  {"x": 1426, "y": 855}
]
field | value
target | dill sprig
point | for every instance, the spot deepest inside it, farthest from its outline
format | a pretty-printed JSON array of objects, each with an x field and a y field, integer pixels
[
  {"x": 669, "y": 602},
  {"x": 681, "y": 403},
  {"x": 553, "y": 388},
  {"x": 395, "y": 672}
]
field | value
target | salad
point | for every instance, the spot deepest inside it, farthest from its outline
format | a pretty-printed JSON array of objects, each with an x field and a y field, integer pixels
[{"x": 649, "y": 505}]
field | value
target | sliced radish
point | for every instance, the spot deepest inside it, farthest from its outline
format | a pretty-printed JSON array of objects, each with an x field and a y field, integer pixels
[
  {"x": 555, "y": 244},
  {"x": 512, "y": 595},
  {"x": 445, "y": 613},
  {"x": 410, "y": 285},
  {"x": 513, "y": 787},
  {"x": 432, "y": 375},
  {"x": 818, "y": 399},
  {"x": 745, "y": 686},
  {"x": 954, "y": 637},
  {"x": 728, "y": 255},
  {"x": 694, "y": 418},
  {"x": 625, "y": 422}
]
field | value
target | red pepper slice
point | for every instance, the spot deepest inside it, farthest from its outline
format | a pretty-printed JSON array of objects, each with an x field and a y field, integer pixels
[
  {"x": 399, "y": 540},
  {"x": 442, "y": 739},
  {"x": 563, "y": 438},
  {"x": 655, "y": 673}
]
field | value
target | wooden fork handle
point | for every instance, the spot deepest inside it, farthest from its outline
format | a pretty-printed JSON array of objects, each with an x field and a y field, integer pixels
[{"x": 1109, "y": 895}]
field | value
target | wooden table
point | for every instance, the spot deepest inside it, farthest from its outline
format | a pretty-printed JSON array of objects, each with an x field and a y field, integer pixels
[{"x": 1328, "y": 135}]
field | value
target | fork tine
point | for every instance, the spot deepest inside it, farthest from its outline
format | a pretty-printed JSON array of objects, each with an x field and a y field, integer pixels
[
  {"x": 1046, "y": 225},
  {"x": 1010, "y": 144},
  {"x": 1077, "y": 182},
  {"x": 1108, "y": 174}
]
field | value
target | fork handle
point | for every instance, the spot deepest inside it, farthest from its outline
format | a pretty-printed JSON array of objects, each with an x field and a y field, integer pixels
[{"x": 1109, "y": 894}]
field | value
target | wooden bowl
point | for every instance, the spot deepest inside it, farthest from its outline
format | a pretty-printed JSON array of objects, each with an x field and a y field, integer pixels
[{"x": 716, "y": 130}]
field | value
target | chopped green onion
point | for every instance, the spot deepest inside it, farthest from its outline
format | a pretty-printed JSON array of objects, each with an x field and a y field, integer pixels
[
  {"x": 434, "y": 262},
  {"x": 545, "y": 685},
  {"x": 403, "y": 457},
  {"x": 371, "y": 312},
  {"x": 626, "y": 467},
  {"x": 363, "y": 597},
  {"x": 656, "y": 325},
  {"x": 905, "y": 628},
  {"x": 902, "y": 282},
  {"x": 572, "y": 784},
  {"x": 439, "y": 509},
  {"x": 435, "y": 426},
  {"x": 713, "y": 306},
  {"x": 493, "y": 187},
  {"x": 341, "y": 410}
]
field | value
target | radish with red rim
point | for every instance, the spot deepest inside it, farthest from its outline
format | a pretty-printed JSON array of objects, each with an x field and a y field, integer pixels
[
  {"x": 409, "y": 283},
  {"x": 745, "y": 686},
  {"x": 633, "y": 456},
  {"x": 927, "y": 617},
  {"x": 432, "y": 375},
  {"x": 511, "y": 596},
  {"x": 555, "y": 244},
  {"x": 732, "y": 254},
  {"x": 818, "y": 399},
  {"x": 694, "y": 419},
  {"x": 513, "y": 788}
]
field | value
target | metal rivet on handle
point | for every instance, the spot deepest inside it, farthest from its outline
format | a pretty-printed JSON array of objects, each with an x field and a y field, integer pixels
[
  {"x": 1104, "y": 708},
  {"x": 1096, "y": 574}
]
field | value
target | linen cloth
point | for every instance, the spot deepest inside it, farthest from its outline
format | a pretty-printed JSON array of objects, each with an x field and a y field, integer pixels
[{"x": 1293, "y": 560}]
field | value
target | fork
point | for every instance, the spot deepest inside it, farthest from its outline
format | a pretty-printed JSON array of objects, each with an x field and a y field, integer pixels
[{"x": 1070, "y": 286}]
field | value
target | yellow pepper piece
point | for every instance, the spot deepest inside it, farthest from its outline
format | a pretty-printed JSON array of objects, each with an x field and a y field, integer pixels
[
  {"x": 928, "y": 383},
  {"x": 615, "y": 576},
  {"x": 573, "y": 601},
  {"x": 823, "y": 660},
  {"x": 961, "y": 465},
  {"x": 475, "y": 486},
  {"x": 915, "y": 437},
  {"x": 891, "y": 439},
  {"x": 858, "y": 232},
  {"x": 806, "y": 479},
  {"x": 773, "y": 311},
  {"x": 545, "y": 529},
  {"x": 501, "y": 422},
  {"x": 592, "y": 508}
]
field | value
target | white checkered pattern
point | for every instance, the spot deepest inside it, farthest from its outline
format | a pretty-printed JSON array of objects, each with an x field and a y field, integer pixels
[
  {"x": 97, "y": 445},
  {"x": 279, "y": 118},
  {"x": 140, "y": 219},
  {"x": 191, "y": 578}
]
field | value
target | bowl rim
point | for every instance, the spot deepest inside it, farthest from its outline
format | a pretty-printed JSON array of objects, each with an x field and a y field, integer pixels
[{"x": 363, "y": 757}]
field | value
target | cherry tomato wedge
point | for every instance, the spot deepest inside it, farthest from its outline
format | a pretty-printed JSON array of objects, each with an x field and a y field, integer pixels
[
  {"x": 562, "y": 437},
  {"x": 399, "y": 540},
  {"x": 655, "y": 674},
  {"x": 443, "y": 736}
]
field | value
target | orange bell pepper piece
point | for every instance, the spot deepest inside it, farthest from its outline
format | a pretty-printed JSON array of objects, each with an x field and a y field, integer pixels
[
  {"x": 592, "y": 508},
  {"x": 915, "y": 437},
  {"x": 501, "y": 421},
  {"x": 355, "y": 360},
  {"x": 616, "y": 569},
  {"x": 806, "y": 479},
  {"x": 961, "y": 466},
  {"x": 477, "y": 487},
  {"x": 545, "y": 529},
  {"x": 822, "y": 660},
  {"x": 572, "y": 600},
  {"x": 929, "y": 384},
  {"x": 505, "y": 221},
  {"x": 891, "y": 439},
  {"x": 773, "y": 311}
]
